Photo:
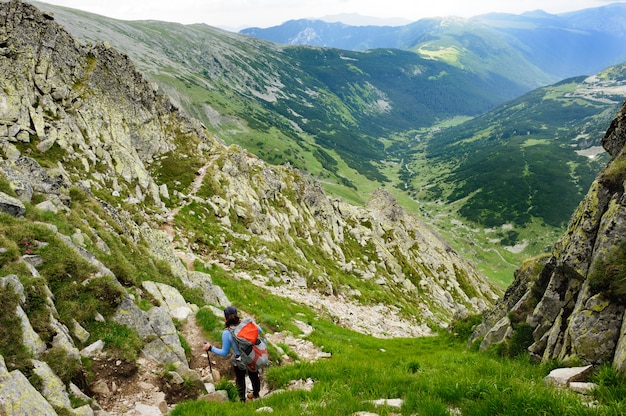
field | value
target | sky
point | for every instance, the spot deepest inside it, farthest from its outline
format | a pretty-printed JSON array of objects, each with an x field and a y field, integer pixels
[{"x": 239, "y": 14}]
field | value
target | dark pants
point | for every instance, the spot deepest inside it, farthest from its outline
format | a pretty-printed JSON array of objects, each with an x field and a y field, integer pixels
[{"x": 240, "y": 375}]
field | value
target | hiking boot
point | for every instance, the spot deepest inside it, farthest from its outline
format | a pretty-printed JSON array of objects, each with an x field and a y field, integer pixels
[{"x": 251, "y": 396}]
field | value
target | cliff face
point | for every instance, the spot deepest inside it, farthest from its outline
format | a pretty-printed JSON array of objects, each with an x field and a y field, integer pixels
[
  {"x": 106, "y": 186},
  {"x": 574, "y": 300}
]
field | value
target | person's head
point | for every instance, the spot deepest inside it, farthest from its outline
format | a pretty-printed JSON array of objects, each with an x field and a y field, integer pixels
[{"x": 230, "y": 316}]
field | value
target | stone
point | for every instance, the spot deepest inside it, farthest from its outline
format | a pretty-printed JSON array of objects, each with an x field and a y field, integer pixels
[
  {"x": 170, "y": 298},
  {"x": 79, "y": 332},
  {"x": 93, "y": 350},
  {"x": 11, "y": 205},
  {"x": 129, "y": 314},
  {"x": 19, "y": 398},
  {"x": 561, "y": 377},
  {"x": 52, "y": 387},
  {"x": 13, "y": 282},
  {"x": 388, "y": 402},
  {"x": 582, "y": 387},
  {"x": 32, "y": 340},
  {"x": 220, "y": 396}
]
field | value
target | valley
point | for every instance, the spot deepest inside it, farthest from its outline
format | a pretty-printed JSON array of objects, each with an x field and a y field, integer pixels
[{"x": 388, "y": 118}]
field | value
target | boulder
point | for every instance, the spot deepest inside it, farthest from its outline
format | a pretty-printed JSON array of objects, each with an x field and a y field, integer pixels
[
  {"x": 18, "y": 397},
  {"x": 52, "y": 387},
  {"x": 11, "y": 205},
  {"x": 562, "y": 377}
]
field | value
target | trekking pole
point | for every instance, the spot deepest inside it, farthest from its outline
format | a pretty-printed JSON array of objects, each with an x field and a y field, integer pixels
[{"x": 209, "y": 359}]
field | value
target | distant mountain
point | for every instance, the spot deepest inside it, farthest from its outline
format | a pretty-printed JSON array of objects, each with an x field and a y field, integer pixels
[
  {"x": 355, "y": 19},
  {"x": 551, "y": 47}
]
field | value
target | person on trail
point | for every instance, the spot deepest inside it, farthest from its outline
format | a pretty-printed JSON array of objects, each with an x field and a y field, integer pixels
[{"x": 232, "y": 320}]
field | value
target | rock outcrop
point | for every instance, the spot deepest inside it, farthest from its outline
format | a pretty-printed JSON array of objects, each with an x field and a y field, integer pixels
[{"x": 573, "y": 301}]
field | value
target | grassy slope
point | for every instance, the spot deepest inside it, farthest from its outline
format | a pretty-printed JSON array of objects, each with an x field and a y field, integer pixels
[{"x": 431, "y": 375}]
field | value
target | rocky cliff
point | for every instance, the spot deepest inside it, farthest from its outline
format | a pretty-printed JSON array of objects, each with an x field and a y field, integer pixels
[
  {"x": 118, "y": 212},
  {"x": 570, "y": 305}
]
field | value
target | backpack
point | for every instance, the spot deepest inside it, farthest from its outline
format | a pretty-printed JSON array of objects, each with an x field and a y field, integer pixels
[{"x": 252, "y": 348}]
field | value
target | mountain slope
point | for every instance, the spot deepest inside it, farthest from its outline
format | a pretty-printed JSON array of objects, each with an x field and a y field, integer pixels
[
  {"x": 509, "y": 179},
  {"x": 120, "y": 215},
  {"x": 569, "y": 305},
  {"x": 323, "y": 110},
  {"x": 536, "y": 140}
]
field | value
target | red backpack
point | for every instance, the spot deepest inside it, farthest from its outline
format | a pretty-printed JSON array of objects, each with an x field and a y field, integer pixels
[{"x": 252, "y": 348}]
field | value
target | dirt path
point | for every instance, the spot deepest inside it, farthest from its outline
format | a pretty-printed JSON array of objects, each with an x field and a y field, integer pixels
[{"x": 199, "y": 361}]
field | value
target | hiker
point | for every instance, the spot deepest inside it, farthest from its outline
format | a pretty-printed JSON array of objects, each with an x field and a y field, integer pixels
[{"x": 232, "y": 320}]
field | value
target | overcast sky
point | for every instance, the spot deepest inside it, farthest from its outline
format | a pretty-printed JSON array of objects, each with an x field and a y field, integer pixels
[{"x": 238, "y": 14}]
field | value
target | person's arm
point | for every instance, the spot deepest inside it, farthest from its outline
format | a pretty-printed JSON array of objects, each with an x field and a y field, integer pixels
[{"x": 223, "y": 352}]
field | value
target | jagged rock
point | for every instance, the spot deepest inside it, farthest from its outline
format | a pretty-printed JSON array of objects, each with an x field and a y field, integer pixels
[
  {"x": 170, "y": 298},
  {"x": 582, "y": 387},
  {"x": 62, "y": 339},
  {"x": 18, "y": 397},
  {"x": 130, "y": 315},
  {"x": 189, "y": 375},
  {"x": 32, "y": 341},
  {"x": 500, "y": 332},
  {"x": 11, "y": 206},
  {"x": 79, "y": 332},
  {"x": 52, "y": 387},
  {"x": 212, "y": 294},
  {"x": 47, "y": 206},
  {"x": 170, "y": 349},
  {"x": 13, "y": 282}
]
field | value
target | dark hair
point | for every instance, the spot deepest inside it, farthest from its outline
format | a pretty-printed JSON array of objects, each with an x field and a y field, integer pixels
[{"x": 231, "y": 316}]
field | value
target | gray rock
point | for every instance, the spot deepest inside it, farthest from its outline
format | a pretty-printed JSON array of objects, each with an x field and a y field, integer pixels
[
  {"x": 13, "y": 282},
  {"x": 11, "y": 206},
  {"x": 93, "y": 350},
  {"x": 561, "y": 377},
  {"x": 170, "y": 298},
  {"x": 19, "y": 398},
  {"x": 52, "y": 387},
  {"x": 130, "y": 315},
  {"x": 31, "y": 339}
]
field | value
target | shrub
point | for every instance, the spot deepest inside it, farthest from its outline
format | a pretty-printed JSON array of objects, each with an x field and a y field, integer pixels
[
  {"x": 521, "y": 339},
  {"x": 62, "y": 364},
  {"x": 464, "y": 328},
  {"x": 230, "y": 387},
  {"x": 609, "y": 275},
  {"x": 11, "y": 346}
]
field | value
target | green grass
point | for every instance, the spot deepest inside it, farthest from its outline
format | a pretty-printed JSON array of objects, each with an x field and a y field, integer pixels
[{"x": 431, "y": 375}]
